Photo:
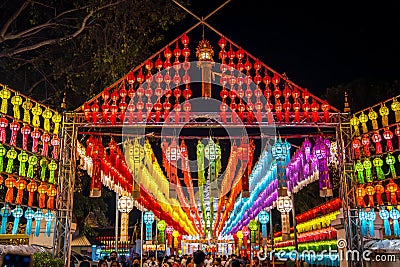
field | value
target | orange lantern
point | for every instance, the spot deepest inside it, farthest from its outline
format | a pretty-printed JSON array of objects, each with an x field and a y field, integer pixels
[
  {"x": 391, "y": 190},
  {"x": 42, "y": 190},
  {"x": 51, "y": 193},
  {"x": 370, "y": 192},
  {"x": 10, "y": 183},
  {"x": 360, "y": 195},
  {"x": 20, "y": 185},
  {"x": 379, "y": 190},
  {"x": 32, "y": 187}
]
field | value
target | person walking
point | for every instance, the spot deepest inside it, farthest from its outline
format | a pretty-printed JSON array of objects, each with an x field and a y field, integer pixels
[{"x": 84, "y": 262}]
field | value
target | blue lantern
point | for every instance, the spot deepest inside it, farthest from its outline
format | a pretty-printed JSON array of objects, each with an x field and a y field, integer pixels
[
  {"x": 362, "y": 215},
  {"x": 395, "y": 215},
  {"x": 39, "y": 215},
  {"x": 263, "y": 218},
  {"x": 371, "y": 222},
  {"x": 29, "y": 214},
  {"x": 49, "y": 216},
  {"x": 280, "y": 153},
  {"x": 17, "y": 213},
  {"x": 148, "y": 219},
  {"x": 4, "y": 212}
]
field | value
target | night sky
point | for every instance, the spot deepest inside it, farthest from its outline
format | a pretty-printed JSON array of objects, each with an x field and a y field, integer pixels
[{"x": 316, "y": 45}]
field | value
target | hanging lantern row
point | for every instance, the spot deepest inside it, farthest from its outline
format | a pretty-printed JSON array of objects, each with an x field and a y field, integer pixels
[
  {"x": 43, "y": 117},
  {"x": 151, "y": 177},
  {"x": 111, "y": 169},
  {"x": 11, "y": 131},
  {"x": 370, "y": 170},
  {"x": 309, "y": 164},
  {"x": 328, "y": 233},
  {"x": 6, "y": 212},
  {"x": 317, "y": 223},
  {"x": 368, "y": 195},
  {"x": 390, "y": 217},
  {"x": 42, "y": 189},
  {"x": 149, "y": 202},
  {"x": 326, "y": 208},
  {"x": 126, "y": 101},
  {"x": 362, "y": 146},
  {"x": 376, "y": 118},
  {"x": 28, "y": 164}
]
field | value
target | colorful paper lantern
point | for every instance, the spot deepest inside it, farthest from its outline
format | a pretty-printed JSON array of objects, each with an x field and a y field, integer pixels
[
  {"x": 36, "y": 111},
  {"x": 359, "y": 168},
  {"x": 360, "y": 193},
  {"x": 57, "y": 117},
  {"x": 23, "y": 158},
  {"x": 32, "y": 161},
  {"x": 379, "y": 190},
  {"x": 362, "y": 215},
  {"x": 395, "y": 106},
  {"x": 25, "y": 131},
  {"x": 253, "y": 226},
  {"x": 5, "y": 212},
  {"x": 263, "y": 218},
  {"x": 373, "y": 116},
  {"x": 391, "y": 160},
  {"x": 49, "y": 216},
  {"x": 371, "y": 217},
  {"x": 17, "y": 213},
  {"x": 20, "y": 185},
  {"x": 10, "y": 183},
  {"x": 27, "y": 106},
  {"x": 370, "y": 190},
  {"x": 363, "y": 118},
  {"x": 43, "y": 166},
  {"x": 42, "y": 190},
  {"x": 39, "y": 215},
  {"x": 47, "y": 114},
  {"x": 376, "y": 138},
  {"x": 161, "y": 226},
  {"x": 384, "y": 111},
  {"x": 367, "y": 164},
  {"x": 52, "y": 168},
  {"x": 29, "y": 215},
  {"x": 378, "y": 163},
  {"x": 148, "y": 219},
  {"x": 5, "y": 94},
  {"x": 11, "y": 155},
  {"x": 395, "y": 215},
  {"x": 31, "y": 187},
  {"x": 356, "y": 144},
  {"x": 3, "y": 151},
  {"x": 14, "y": 127},
  {"x": 16, "y": 101},
  {"x": 391, "y": 192},
  {"x": 51, "y": 193},
  {"x": 388, "y": 135},
  {"x": 354, "y": 121},
  {"x": 384, "y": 214}
]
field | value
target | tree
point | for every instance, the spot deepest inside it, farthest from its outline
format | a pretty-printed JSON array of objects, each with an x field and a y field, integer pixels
[{"x": 78, "y": 46}]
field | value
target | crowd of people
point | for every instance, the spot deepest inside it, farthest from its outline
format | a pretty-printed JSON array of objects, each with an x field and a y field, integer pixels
[{"x": 197, "y": 259}]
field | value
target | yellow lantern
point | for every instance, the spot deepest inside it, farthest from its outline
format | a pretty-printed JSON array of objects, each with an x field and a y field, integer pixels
[
  {"x": 47, "y": 114},
  {"x": 27, "y": 106},
  {"x": 384, "y": 111},
  {"x": 16, "y": 100},
  {"x": 36, "y": 111},
  {"x": 56, "y": 119},
  {"x": 396, "y": 108},
  {"x": 364, "y": 119},
  {"x": 355, "y": 122},
  {"x": 373, "y": 116},
  {"x": 5, "y": 94}
]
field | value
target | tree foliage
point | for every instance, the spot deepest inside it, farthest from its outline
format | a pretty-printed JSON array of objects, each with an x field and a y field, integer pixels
[{"x": 78, "y": 46}]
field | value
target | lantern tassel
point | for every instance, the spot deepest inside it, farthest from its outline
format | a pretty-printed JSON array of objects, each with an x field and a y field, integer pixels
[
  {"x": 396, "y": 228},
  {"x": 9, "y": 165},
  {"x": 264, "y": 230},
  {"x": 379, "y": 173},
  {"x": 15, "y": 226},
  {"x": 368, "y": 175},
  {"x": 28, "y": 229},
  {"x": 364, "y": 229},
  {"x": 37, "y": 227},
  {"x": 4, "y": 224}
]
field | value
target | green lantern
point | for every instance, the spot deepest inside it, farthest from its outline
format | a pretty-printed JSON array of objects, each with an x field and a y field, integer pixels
[
  {"x": 3, "y": 151},
  {"x": 378, "y": 163},
  {"x": 11, "y": 155},
  {"x": 253, "y": 226},
  {"x": 161, "y": 226},
  {"x": 367, "y": 164},
  {"x": 359, "y": 168},
  {"x": 43, "y": 165},
  {"x": 32, "y": 161},
  {"x": 52, "y": 168},
  {"x": 391, "y": 160},
  {"x": 23, "y": 158}
]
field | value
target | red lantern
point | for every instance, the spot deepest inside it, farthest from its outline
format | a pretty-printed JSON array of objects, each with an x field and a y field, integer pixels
[
  {"x": 391, "y": 190},
  {"x": 51, "y": 193},
  {"x": 95, "y": 110},
  {"x": 397, "y": 133},
  {"x": 25, "y": 131},
  {"x": 376, "y": 138},
  {"x": 45, "y": 140},
  {"x": 366, "y": 143},
  {"x": 356, "y": 148},
  {"x": 315, "y": 109},
  {"x": 3, "y": 125},
  {"x": 14, "y": 127},
  {"x": 388, "y": 135}
]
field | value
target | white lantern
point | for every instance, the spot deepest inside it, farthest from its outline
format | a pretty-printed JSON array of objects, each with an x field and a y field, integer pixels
[
  {"x": 125, "y": 204},
  {"x": 284, "y": 204}
]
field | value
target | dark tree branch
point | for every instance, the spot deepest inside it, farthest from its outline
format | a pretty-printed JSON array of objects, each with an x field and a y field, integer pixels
[
  {"x": 30, "y": 90},
  {"x": 11, "y": 19}
]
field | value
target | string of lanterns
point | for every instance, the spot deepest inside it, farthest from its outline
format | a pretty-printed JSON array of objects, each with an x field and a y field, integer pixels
[
  {"x": 157, "y": 77},
  {"x": 30, "y": 215}
]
